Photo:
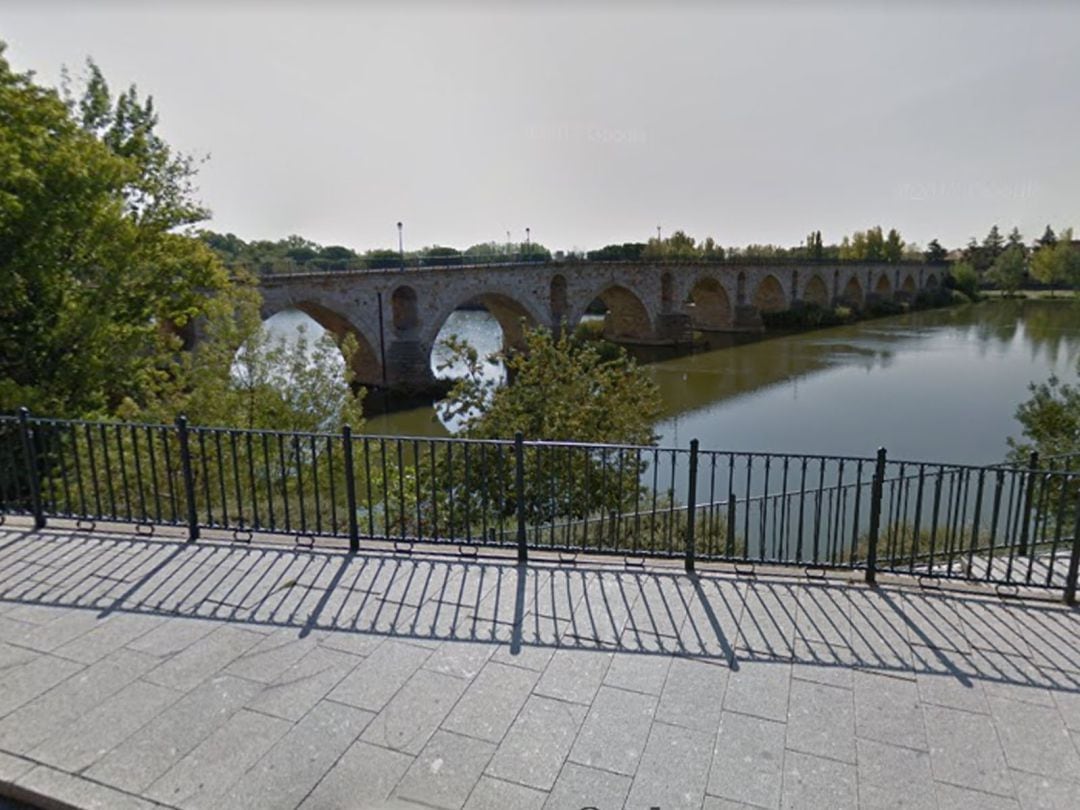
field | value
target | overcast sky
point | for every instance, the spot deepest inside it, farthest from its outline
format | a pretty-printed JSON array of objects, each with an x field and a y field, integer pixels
[{"x": 594, "y": 123}]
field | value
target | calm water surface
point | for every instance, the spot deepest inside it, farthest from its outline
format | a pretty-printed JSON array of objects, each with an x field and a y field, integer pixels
[{"x": 940, "y": 385}]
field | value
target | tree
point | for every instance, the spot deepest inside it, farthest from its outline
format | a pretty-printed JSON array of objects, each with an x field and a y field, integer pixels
[
  {"x": 935, "y": 253},
  {"x": 1048, "y": 239},
  {"x": 893, "y": 250},
  {"x": 563, "y": 389},
  {"x": 1050, "y": 421},
  {"x": 875, "y": 244},
  {"x": 98, "y": 272},
  {"x": 681, "y": 245},
  {"x": 993, "y": 244},
  {"x": 628, "y": 251},
  {"x": 1007, "y": 272},
  {"x": 965, "y": 279},
  {"x": 711, "y": 250},
  {"x": 1057, "y": 263},
  {"x": 1016, "y": 239}
]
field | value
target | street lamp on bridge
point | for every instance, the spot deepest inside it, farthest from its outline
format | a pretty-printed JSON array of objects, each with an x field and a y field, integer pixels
[{"x": 400, "y": 245}]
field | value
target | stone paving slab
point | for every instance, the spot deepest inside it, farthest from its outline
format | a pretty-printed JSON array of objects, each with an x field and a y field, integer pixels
[{"x": 151, "y": 673}]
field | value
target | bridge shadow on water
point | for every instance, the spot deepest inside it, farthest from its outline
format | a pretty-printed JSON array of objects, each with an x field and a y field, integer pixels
[{"x": 731, "y": 620}]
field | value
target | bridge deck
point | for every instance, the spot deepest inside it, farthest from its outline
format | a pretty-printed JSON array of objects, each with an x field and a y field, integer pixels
[{"x": 144, "y": 672}]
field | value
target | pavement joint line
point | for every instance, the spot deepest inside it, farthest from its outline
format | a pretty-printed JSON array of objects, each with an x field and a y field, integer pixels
[
  {"x": 46, "y": 802},
  {"x": 988, "y": 793}
]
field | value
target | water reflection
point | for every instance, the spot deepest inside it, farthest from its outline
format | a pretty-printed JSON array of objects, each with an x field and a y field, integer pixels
[{"x": 936, "y": 385}]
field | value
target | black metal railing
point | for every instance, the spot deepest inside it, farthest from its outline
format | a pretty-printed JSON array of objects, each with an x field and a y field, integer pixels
[{"x": 1005, "y": 525}]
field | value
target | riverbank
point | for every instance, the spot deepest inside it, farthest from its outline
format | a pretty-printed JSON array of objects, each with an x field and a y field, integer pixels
[{"x": 1037, "y": 294}]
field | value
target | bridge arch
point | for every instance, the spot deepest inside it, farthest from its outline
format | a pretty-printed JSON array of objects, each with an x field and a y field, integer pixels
[
  {"x": 853, "y": 292},
  {"x": 364, "y": 364},
  {"x": 909, "y": 288},
  {"x": 627, "y": 318},
  {"x": 931, "y": 281},
  {"x": 769, "y": 295},
  {"x": 816, "y": 293},
  {"x": 883, "y": 289},
  {"x": 712, "y": 309},
  {"x": 513, "y": 314}
]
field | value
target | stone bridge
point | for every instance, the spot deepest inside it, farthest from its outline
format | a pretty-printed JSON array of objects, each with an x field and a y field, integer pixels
[{"x": 396, "y": 314}]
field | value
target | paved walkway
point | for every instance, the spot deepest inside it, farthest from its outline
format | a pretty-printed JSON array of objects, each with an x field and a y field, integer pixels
[{"x": 140, "y": 673}]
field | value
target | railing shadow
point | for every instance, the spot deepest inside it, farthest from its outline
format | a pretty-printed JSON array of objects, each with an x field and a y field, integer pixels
[{"x": 728, "y": 620}]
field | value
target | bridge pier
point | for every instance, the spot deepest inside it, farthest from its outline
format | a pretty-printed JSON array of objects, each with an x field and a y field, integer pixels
[
  {"x": 674, "y": 328},
  {"x": 747, "y": 318},
  {"x": 408, "y": 367}
]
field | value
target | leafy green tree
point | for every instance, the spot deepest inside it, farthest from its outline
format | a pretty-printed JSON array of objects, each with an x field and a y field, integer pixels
[
  {"x": 569, "y": 391},
  {"x": 1047, "y": 266},
  {"x": 935, "y": 253},
  {"x": 337, "y": 253},
  {"x": 681, "y": 245},
  {"x": 382, "y": 258},
  {"x": 893, "y": 250},
  {"x": 1050, "y": 420},
  {"x": 562, "y": 390},
  {"x": 875, "y": 244},
  {"x": 241, "y": 376},
  {"x": 965, "y": 279},
  {"x": 628, "y": 251},
  {"x": 1008, "y": 269},
  {"x": 993, "y": 244},
  {"x": 97, "y": 272},
  {"x": 1057, "y": 263},
  {"x": 1015, "y": 238},
  {"x": 711, "y": 250}
]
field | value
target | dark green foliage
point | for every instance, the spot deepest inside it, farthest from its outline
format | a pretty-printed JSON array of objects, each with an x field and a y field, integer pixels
[
  {"x": 883, "y": 306},
  {"x": 1048, "y": 239},
  {"x": 96, "y": 271},
  {"x": 933, "y": 298},
  {"x": 935, "y": 253},
  {"x": 807, "y": 316},
  {"x": 626, "y": 252},
  {"x": 963, "y": 277},
  {"x": 1009, "y": 269}
]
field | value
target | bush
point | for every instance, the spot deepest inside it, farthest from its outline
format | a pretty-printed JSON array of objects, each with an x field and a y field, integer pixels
[
  {"x": 965, "y": 279},
  {"x": 589, "y": 330},
  {"x": 881, "y": 308},
  {"x": 932, "y": 298},
  {"x": 807, "y": 316},
  {"x": 960, "y": 297}
]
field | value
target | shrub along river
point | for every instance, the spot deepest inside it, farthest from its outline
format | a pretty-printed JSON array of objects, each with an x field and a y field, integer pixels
[{"x": 938, "y": 385}]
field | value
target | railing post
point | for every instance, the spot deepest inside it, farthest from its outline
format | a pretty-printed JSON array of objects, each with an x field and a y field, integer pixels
[
  {"x": 519, "y": 496},
  {"x": 1029, "y": 491},
  {"x": 189, "y": 477},
  {"x": 32, "y": 473},
  {"x": 350, "y": 489},
  {"x": 1074, "y": 561},
  {"x": 691, "y": 506},
  {"x": 876, "y": 490}
]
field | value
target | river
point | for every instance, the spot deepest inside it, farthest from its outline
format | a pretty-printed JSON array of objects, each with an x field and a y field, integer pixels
[{"x": 940, "y": 385}]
